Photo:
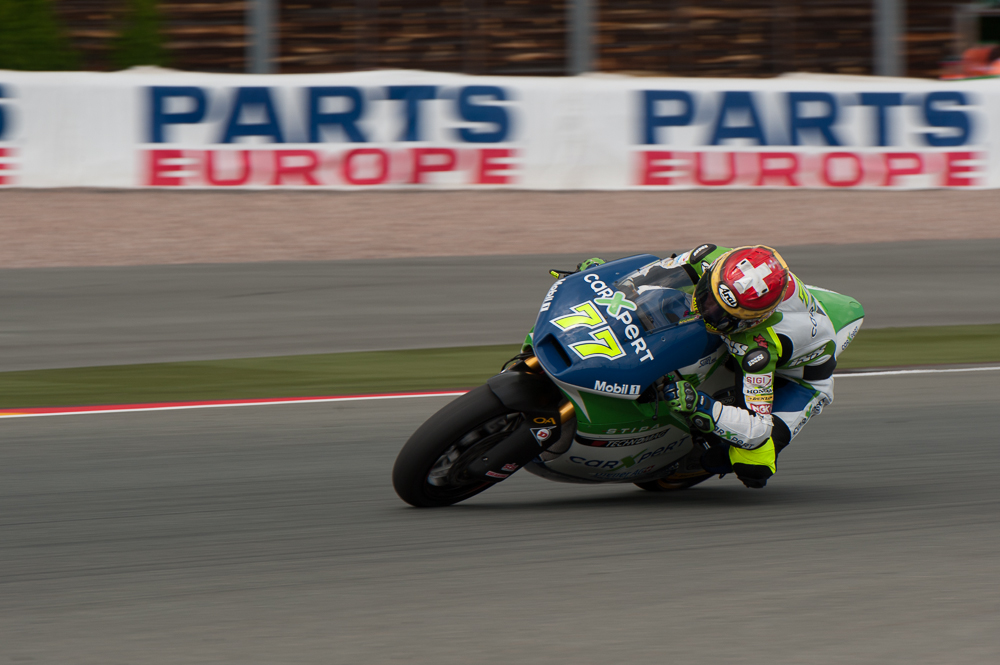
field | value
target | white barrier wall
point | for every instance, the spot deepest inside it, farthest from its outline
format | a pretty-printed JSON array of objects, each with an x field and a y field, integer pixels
[{"x": 412, "y": 130}]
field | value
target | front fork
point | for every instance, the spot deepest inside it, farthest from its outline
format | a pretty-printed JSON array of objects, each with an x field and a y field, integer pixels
[{"x": 524, "y": 388}]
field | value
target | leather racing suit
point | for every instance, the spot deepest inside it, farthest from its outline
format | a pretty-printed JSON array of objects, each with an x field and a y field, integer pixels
[{"x": 784, "y": 376}]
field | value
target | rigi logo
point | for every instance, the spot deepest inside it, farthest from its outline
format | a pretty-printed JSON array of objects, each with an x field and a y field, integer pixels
[{"x": 616, "y": 389}]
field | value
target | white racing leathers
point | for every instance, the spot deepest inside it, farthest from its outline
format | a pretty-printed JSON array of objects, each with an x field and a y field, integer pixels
[{"x": 799, "y": 343}]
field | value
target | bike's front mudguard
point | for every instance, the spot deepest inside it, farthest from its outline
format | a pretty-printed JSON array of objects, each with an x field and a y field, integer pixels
[{"x": 544, "y": 409}]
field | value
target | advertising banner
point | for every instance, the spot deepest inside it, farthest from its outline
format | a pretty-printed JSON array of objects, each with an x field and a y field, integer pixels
[{"x": 414, "y": 130}]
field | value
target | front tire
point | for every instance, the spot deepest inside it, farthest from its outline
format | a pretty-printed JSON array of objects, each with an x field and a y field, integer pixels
[{"x": 430, "y": 469}]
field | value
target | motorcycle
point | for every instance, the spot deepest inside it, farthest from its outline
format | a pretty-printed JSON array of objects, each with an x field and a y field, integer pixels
[{"x": 583, "y": 401}]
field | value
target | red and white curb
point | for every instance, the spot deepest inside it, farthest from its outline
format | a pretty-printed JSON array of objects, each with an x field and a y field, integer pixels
[{"x": 216, "y": 404}]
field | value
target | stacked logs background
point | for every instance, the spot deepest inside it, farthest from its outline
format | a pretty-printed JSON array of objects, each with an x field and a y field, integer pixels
[{"x": 748, "y": 38}]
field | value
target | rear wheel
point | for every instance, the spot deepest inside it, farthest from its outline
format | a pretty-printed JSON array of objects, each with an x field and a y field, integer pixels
[
  {"x": 672, "y": 484},
  {"x": 430, "y": 470}
]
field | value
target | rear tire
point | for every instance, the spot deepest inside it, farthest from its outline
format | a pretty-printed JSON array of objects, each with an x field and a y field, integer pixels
[
  {"x": 430, "y": 469},
  {"x": 667, "y": 485}
]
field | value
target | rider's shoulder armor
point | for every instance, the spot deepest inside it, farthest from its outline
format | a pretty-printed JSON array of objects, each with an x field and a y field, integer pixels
[
  {"x": 756, "y": 350},
  {"x": 702, "y": 256}
]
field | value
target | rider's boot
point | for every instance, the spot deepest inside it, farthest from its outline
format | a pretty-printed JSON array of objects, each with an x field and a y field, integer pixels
[{"x": 754, "y": 467}]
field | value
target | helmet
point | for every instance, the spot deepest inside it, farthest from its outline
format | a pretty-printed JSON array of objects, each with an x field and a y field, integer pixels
[{"x": 741, "y": 289}]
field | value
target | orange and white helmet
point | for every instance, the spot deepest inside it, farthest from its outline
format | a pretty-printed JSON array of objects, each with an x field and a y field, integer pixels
[{"x": 741, "y": 289}]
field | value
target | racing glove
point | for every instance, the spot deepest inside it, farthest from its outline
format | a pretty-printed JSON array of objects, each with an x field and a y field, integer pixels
[
  {"x": 580, "y": 267},
  {"x": 589, "y": 263},
  {"x": 697, "y": 407}
]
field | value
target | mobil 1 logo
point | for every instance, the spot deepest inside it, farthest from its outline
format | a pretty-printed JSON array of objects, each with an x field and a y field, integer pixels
[{"x": 617, "y": 388}]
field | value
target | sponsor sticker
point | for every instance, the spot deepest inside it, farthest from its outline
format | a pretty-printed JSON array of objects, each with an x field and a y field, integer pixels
[
  {"x": 727, "y": 296},
  {"x": 701, "y": 251},
  {"x": 605, "y": 465},
  {"x": 757, "y": 379},
  {"x": 624, "y": 462},
  {"x": 756, "y": 360},
  {"x": 802, "y": 360},
  {"x": 511, "y": 467},
  {"x": 541, "y": 434},
  {"x": 617, "y": 389},
  {"x": 731, "y": 437},
  {"x": 494, "y": 474},
  {"x": 850, "y": 338},
  {"x": 735, "y": 348},
  {"x": 547, "y": 300},
  {"x": 624, "y": 474},
  {"x": 622, "y": 443},
  {"x": 627, "y": 430},
  {"x": 616, "y": 303},
  {"x": 707, "y": 360}
]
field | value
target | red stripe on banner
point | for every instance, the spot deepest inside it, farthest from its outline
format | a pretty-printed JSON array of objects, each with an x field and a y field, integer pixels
[{"x": 152, "y": 406}]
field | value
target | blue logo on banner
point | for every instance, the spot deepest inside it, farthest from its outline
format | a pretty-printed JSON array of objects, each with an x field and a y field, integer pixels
[
  {"x": 255, "y": 112},
  {"x": 810, "y": 117},
  {"x": 3, "y": 116}
]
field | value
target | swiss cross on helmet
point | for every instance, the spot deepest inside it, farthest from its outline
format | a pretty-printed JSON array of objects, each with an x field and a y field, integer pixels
[{"x": 741, "y": 289}]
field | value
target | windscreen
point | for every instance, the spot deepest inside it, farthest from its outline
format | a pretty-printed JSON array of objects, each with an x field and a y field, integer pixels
[{"x": 662, "y": 292}]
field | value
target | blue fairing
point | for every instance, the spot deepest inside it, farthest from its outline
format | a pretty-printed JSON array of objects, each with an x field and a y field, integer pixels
[{"x": 593, "y": 336}]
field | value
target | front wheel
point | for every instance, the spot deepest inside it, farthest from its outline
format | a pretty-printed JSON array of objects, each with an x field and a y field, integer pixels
[{"x": 430, "y": 470}]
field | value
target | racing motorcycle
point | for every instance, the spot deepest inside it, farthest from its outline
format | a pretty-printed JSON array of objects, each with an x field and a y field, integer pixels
[{"x": 583, "y": 401}]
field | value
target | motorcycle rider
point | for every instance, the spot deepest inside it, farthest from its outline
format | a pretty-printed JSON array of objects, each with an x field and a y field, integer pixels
[{"x": 783, "y": 346}]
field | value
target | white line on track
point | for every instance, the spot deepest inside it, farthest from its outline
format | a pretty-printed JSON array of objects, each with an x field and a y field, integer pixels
[
  {"x": 127, "y": 409},
  {"x": 364, "y": 398},
  {"x": 917, "y": 371}
]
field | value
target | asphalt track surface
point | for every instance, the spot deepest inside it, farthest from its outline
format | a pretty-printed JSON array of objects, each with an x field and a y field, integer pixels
[
  {"x": 71, "y": 317},
  {"x": 272, "y": 535}
]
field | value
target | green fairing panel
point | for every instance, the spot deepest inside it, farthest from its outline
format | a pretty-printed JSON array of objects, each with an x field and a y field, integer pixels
[
  {"x": 842, "y": 310},
  {"x": 608, "y": 415},
  {"x": 621, "y": 415}
]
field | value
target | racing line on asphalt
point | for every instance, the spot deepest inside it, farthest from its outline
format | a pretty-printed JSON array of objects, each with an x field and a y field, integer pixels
[{"x": 36, "y": 412}]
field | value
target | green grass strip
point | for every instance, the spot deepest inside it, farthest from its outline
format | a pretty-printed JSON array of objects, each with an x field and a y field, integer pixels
[
  {"x": 244, "y": 378},
  {"x": 401, "y": 371},
  {"x": 934, "y": 345}
]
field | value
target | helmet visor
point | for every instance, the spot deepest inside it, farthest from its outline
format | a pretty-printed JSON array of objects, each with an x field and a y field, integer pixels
[{"x": 717, "y": 319}]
